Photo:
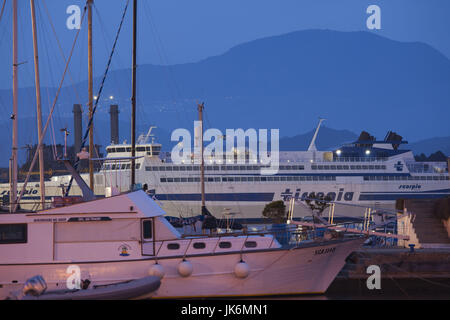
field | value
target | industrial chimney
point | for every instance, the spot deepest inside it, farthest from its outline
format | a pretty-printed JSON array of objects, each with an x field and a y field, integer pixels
[
  {"x": 77, "y": 127},
  {"x": 114, "y": 116}
]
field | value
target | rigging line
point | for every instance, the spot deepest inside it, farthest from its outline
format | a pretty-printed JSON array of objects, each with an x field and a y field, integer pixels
[
  {"x": 98, "y": 95},
  {"x": 48, "y": 119},
  {"x": 3, "y": 8},
  {"x": 166, "y": 67},
  {"x": 62, "y": 52},
  {"x": 46, "y": 41}
]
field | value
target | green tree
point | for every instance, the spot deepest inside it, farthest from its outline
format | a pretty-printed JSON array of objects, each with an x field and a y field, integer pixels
[{"x": 276, "y": 211}]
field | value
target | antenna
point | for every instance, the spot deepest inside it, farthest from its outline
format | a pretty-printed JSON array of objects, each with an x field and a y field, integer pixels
[{"x": 312, "y": 145}]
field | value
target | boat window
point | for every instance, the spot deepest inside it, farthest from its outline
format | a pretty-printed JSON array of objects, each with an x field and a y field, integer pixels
[
  {"x": 224, "y": 244},
  {"x": 190, "y": 179},
  {"x": 182, "y": 168},
  {"x": 148, "y": 168},
  {"x": 123, "y": 166},
  {"x": 183, "y": 179},
  {"x": 163, "y": 179},
  {"x": 173, "y": 246},
  {"x": 199, "y": 245},
  {"x": 128, "y": 165},
  {"x": 138, "y": 165},
  {"x": 176, "y": 179},
  {"x": 13, "y": 233},
  {"x": 168, "y": 168},
  {"x": 120, "y": 149},
  {"x": 147, "y": 229},
  {"x": 251, "y": 244},
  {"x": 140, "y": 149},
  {"x": 196, "y": 168},
  {"x": 176, "y": 168},
  {"x": 128, "y": 149},
  {"x": 169, "y": 179}
]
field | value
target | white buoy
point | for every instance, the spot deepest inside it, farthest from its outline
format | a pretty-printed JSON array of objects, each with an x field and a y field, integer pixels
[
  {"x": 241, "y": 270},
  {"x": 185, "y": 268},
  {"x": 156, "y": 270}
]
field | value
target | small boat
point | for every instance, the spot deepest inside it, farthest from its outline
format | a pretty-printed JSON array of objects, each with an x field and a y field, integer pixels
[{"x": 133, "y": 289}]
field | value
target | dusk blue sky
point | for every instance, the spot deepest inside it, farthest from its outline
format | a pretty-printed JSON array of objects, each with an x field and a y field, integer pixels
[{"x": 174, "y": 31}]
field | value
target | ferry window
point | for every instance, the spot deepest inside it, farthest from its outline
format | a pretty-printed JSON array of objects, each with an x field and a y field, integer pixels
[
  {"x": 120, "y": 149},
  {"x": 289, "y": 179},
  {"x": 314, "y": 167},
  {"x": 320, "y": 167},
  {"x": 255, "y": 168},
  {"x": 315, "y": 178},
  {"x": 435, "y": 178},
  {"x": 13, "y": 233},
  {"x": 210, "y": 179},
  {"x": 250, "y": 178},
  {"x": 169, "y": 179},
  {"x": 148, "y": 168},
  {"x": 282, "y": 178},
  {"x": 385, "y": 178},
  {"x": 301, "y": 167},
  {"x": 128, "y": 149},
  {"x": 321, "y": 178},
  {"x": 217, "y": 179},
  {"x": 371, "y": 167},
  {"x": 358, "y": 167},
  {"x": 197, "y": 179},
  {"x": 196, "y": 168},
  {"x": 108, "y": 167},
  {"x": 250, "y": 244},
  {"x": 345, "y": 167},
  {"x": 383, "y": 167},
  {"x": 147, "y": 229},
  {"x": 173, "y": 246},
  {"x": 276, "y": 178},
  {"x": 223, "y": 168},
  {"x": 113, "y": 167},
  {"x": 365, "y": 167},
  {"x": 182, "y": 168},
  {"x": 176, "y": 168},
  {"x": 353, "y": 167},
  {"x": 224, "y": 179},
  {"x": 163, "y": 179},
  {"x": 190, "y": 179},
  {"x": 231, "y": 179},
  {"x": 128, "y": 165},
  {"x": 138, "y": 165},
  {"x": 282, "y": 167},
  {"x": 162, "y": 168},
  {"x": 199, "y": 245},
  {"x": 216, "y": 168},
  {"x": 257, "y": 178},
  {"x": 263, "y": 178},
  {"x": 139, "y": 149},
  {"x": 176, "y": 179},
  {"x": 123, "y": 166},
  {"x": 308, "y": 178},
  {"x": 238, "y": 179},
  {"x": 112, "y": 150},
  {"x": 244, "y": 179},
  {"x": 339, "y": 167},
  {"x": 183, "y": 179},
  {"x": 242, "y": 167},
  {"x": 168, "y": 168},
  {"x": 366, "y": 178},
  {"x": 224, "y": 244},
  {"x": 188, "y": 168},
  {"x": 333, "y": 167}
]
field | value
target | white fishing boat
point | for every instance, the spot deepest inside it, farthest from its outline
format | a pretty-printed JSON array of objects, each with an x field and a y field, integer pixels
[{"x": 127, "y": 237}]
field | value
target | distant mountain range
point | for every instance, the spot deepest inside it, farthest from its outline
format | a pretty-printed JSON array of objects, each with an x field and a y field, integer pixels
[{"x": 357, "y": 80}]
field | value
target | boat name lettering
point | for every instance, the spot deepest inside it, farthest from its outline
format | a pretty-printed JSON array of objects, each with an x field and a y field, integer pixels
[
  {"x": 50, "y": 220},
  {"x": 410, "y": 186},
  {"x": 341, "y": 195},
  {"x": 86, "y": 219},
  {"x": 324, "y": 251}
]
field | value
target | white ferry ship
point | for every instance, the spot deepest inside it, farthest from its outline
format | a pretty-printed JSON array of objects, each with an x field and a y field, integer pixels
[{"x": 366, "y": 173}]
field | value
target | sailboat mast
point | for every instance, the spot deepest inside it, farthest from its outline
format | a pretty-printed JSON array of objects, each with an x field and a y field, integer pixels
[
  {"x": 202, "y": 161},
  {"x": 13, "y": 164},
  {"x": 38, "y": 104},
  {"x": 133, "y": 99},
  {"x": 91, "y": 96}
]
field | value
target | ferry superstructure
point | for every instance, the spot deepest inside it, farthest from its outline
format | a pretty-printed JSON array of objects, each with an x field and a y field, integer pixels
[{"x": 365, "y": 173}]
